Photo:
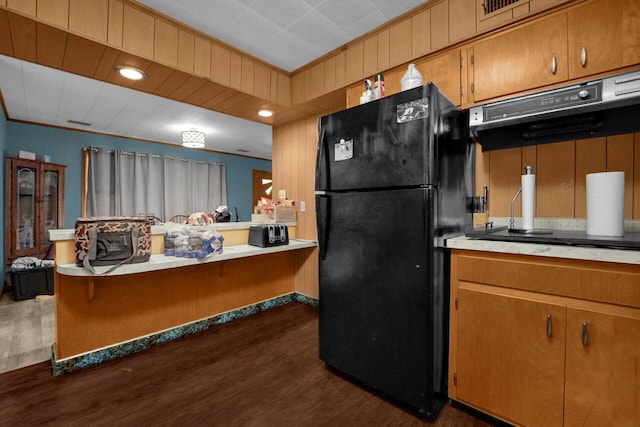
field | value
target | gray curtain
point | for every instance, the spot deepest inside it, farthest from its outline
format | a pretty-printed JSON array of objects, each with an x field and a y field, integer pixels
[{"x": 121, "y": 183}]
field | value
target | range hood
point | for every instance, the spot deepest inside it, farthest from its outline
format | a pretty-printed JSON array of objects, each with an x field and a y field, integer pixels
[{"x": 602, "y": 107}]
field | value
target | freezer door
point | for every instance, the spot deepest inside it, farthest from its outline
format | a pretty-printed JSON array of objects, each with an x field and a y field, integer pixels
[
  {"x": 385, "y": 143},
  {"x": 381, "y": 293}
]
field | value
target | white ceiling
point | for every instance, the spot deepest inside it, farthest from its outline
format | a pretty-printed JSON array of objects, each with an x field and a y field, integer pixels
[
  {"x": 285, "y": 33},
  {"x": 38, "y": 94}
]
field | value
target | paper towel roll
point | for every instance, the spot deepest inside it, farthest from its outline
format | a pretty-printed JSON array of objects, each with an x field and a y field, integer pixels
[
  {"x": 605, "y": 204},
  {"x": 528, "y": 200}
]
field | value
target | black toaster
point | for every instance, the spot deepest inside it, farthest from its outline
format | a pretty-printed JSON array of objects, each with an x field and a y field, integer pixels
[{"x": 266, "y": 235}]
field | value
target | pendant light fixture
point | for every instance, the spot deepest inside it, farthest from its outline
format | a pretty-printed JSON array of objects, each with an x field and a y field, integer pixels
[{"x": 193, "y": 138}]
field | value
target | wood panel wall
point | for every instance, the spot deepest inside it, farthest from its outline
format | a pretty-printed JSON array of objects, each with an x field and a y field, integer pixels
[
  {"x": 561, "y": 170},
  {"x": 293, "y": 165}
]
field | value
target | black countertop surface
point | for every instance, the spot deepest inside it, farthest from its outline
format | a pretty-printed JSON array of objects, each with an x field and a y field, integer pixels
[{"x": 630, "y": 240}]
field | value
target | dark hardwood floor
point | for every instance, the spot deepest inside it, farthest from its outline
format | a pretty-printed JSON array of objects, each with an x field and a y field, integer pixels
[{"x": 258, "y": 371}]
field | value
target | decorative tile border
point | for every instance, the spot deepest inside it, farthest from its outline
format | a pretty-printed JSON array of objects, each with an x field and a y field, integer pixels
[{"x": 96, "y": 357}]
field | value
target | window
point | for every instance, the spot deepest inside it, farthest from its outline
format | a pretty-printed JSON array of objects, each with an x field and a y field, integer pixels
[{"x": 120, "y": 183}]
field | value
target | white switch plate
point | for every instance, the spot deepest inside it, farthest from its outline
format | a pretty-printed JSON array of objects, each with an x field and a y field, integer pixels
[
  {"x": 282, "y": 194},
  {"x": 303, "y": 206}
]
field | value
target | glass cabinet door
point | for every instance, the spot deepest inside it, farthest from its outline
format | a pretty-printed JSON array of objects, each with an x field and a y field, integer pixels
[
  {"x": 25, "y": 207},
  {"x": 34, "y": 204},
  {"x": 49, "y": 204}
]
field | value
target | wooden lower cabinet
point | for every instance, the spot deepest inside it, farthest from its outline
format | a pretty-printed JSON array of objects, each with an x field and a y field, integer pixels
[
  {"x": 506, "y": 362},
  {"x": 565, "y": 355},
  {"x": 602, "y": 377}
]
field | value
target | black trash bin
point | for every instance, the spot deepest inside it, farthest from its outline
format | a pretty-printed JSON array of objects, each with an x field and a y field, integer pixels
[{"x": 29, "y": 282}]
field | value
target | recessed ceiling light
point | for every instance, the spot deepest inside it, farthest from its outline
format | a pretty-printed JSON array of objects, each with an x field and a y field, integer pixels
[
  {"x": 131, "y": 73},
  {"x": 265, "y": 113}
]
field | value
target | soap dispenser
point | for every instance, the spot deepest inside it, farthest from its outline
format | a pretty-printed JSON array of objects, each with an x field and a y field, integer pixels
[{"x": 411, "y": 78}]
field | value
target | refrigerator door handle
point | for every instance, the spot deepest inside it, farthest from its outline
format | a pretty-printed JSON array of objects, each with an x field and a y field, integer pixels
[
  {"x": 322, "y": 221},
  {"x": 322, "y": 161}
]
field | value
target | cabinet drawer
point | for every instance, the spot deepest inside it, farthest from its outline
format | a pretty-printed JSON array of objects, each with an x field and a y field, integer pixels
[{"x": 588, "y": 280}]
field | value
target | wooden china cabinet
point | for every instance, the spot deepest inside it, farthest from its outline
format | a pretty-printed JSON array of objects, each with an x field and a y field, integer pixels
[{"x": 34, "y": 204}]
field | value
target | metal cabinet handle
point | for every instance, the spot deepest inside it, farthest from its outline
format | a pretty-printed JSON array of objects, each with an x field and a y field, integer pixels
[
  {"x": 585, "y": 334},
  {"x": 583, "y": 56},
  {"x": 554, "y": 64},
  {"x": 548, "y": 326}
]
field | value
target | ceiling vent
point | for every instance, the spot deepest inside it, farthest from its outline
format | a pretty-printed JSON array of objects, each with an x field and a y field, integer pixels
[
  {"x": 491, "y": 6},
  {"x": 76, "y": 122}
]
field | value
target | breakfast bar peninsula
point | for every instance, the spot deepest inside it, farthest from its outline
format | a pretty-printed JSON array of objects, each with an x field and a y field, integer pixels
[{"x": 101, "y": 317}]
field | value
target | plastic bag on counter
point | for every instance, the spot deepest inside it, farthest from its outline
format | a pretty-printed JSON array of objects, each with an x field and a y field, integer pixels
[{"x": 192, "y": 242}]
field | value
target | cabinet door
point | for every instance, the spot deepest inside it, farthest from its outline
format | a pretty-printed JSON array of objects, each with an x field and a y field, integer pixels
[
  {"x": 34, "y": 201},
  {"x": 525, "y": 58},
  {"x": 24, "y": 209},
  {"x": 507, "y": 365},
  {"x": 603, "y": 376},
  {"x": 51, "y": 202},
  {"x": 603, "y": 35},
  {"x": 444, "y": 71}
]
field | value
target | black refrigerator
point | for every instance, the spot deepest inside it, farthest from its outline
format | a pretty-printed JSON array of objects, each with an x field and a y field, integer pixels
[{"x": 393, "y": 180}]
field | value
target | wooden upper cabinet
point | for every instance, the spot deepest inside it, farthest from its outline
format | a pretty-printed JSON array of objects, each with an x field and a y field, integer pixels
[
  {"x": 538, "y": 5},
  {"x": 440, "y": 25},
  {"x": 602, "y": 376},
  {"x": 186, "y": 50},
  {"x": 166, "y": 43},
  {"x": 114, "y": 26},
  {"x": 235, "y": 73},
  {"x": 400, "y": 42},
  {"x": 314, "y": 81},
  {"x": 524, "y": 58},
  {"x": 462, "y": 19},
  {"x": 383, "y": 49},
  {"x": 353, "y": 95},
  {"x": 603, "y": 35},
  {"x": 444, "y": 71},
  {"x": 202, "y": 57},
  {"x": 54, "y": 12},
  {"x": 330, "y": 74},
  {"x": 220, "y": 64},
  {"x": 262, "y": 82},
  {"x": 248, "y": 75},
  {"x": 370, "y": 56},
  {"x": 421, "y": 33},
  {"x": 89, "y": 19},
  {"x": 138, "y": 32},
  {"x": 283, "y": 96},
  {"x": 28, "y": 7},
  {"x": 297, "y": 88},
  {"x": 354, "y": 65}
]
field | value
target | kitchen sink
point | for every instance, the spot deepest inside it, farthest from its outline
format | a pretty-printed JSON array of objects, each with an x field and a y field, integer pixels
[{"x": 630, "y": 240}]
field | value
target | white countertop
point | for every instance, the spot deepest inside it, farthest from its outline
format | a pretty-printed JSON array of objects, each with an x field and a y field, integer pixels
[
  {"x": 67, "y": 234},
  {"x": 545, "y": 250},
  {"x": 162, "y": 262}
]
